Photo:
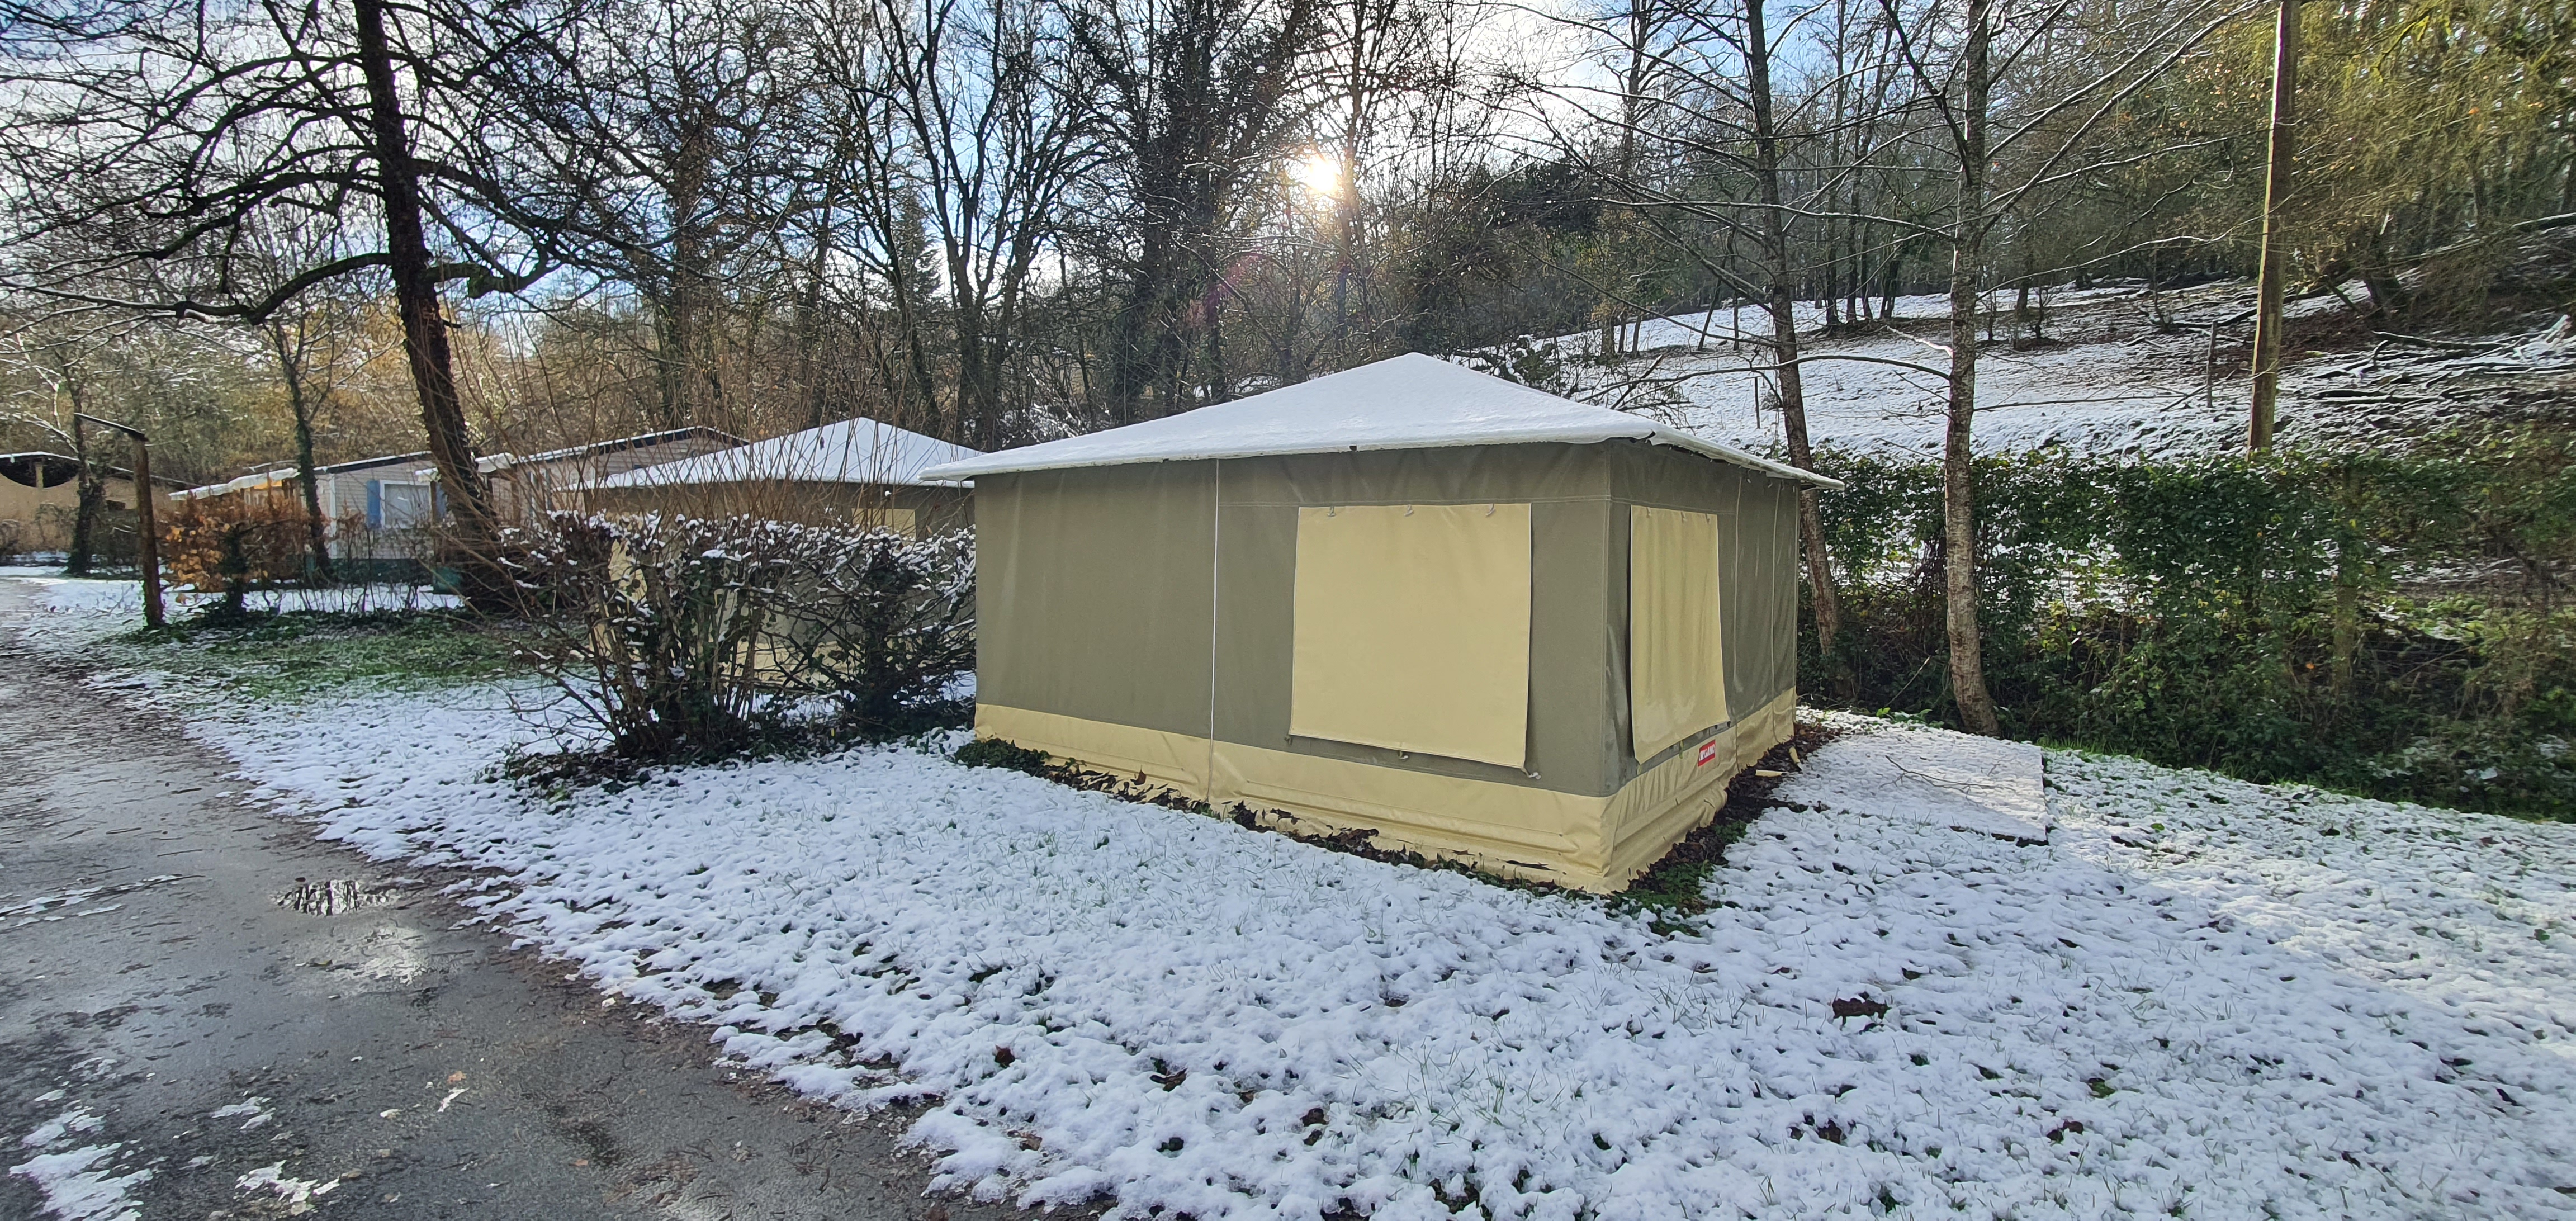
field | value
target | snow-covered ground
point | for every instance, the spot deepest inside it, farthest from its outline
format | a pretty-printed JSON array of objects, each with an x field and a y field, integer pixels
[
  {"x": 2110, "y": 382},
  {"x": 2196, "y": 997},
  {"x": 79, "y": 607}
]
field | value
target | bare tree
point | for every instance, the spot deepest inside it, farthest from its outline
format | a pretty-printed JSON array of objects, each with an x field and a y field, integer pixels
[
  {"x": 2057, "y": 105},
  {"x": 1724, "y": 114},
  {"x": 310, "y": 341},
  {"x": 132, "y": 177},
  {"x": 1780, "y": 302},
  {"x": 1198, "y": 96},
  {"x": 657, "y": 141},
  {"x": 994, "y": 124}
]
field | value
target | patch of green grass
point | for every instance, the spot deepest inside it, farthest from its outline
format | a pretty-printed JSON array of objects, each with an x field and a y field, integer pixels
[{"x": 299, "y": 653}]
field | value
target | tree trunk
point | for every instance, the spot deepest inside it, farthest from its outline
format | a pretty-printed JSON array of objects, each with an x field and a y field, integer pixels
[
  {"x": 234, "y": 566},
  {"x": 1143, "y": 323},
  {"x": 315, "y": 540},
  {"x": 291, "y": 367},
  {"x": 2276, "y": 186},
  {"x": 442, "y": 411},
  {"x": 1346, "y": 245},
  {"x": 685, "y": 361},
  {"x": 1958, "y": 490},
  {"x": 1212, "y": 352},
  {"x": 89, "y": 495},
  {"x": 1784, "y": 333},
  {"x": 2347, "y": 588}
]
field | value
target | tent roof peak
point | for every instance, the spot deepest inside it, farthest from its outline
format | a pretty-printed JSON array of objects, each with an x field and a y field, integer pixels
[
  {"x": 1407, "y": 402},
  {"x": 855, "y": 450}
]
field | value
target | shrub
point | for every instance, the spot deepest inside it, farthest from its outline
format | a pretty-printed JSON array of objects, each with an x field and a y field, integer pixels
[
  {"x": 680, "y": 637},
  {"x": 2392, "y": 624},
  {"x": 230, "y": 543}
]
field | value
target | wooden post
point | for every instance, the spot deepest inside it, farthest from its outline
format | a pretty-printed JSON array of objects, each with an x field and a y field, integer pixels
[
  {"x": 2276, "y": 186},
  {"x": 148, "y": 531}
]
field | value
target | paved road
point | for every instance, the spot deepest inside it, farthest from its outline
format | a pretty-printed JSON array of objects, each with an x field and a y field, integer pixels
[{"x": 260, "y": 1061}]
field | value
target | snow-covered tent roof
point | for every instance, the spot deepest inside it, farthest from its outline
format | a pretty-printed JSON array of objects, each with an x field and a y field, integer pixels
[
  {"x": 493, "y": 463},
  {"x": 850, "y": 451},
  {"x": 1409, "y": 402}
]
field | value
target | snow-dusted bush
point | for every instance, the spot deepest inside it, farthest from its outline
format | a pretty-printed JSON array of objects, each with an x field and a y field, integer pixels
[
  {"x": 882, "y": 625},
  {"x": 678, "y": 637}
]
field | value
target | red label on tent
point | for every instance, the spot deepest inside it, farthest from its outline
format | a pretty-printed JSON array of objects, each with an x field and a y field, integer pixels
[{"x": 1707, "y": 752}]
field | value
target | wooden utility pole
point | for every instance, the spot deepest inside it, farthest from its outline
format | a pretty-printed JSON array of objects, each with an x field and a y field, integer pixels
[
  {"x": 147, "y": 532},
  {"x": 2276, "y": 186}
]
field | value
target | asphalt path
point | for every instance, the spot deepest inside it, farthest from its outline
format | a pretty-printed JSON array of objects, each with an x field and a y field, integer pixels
[{"x": 238, "y": 1057}]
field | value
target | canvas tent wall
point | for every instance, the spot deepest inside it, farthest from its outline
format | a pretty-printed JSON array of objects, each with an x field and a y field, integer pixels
[
  {"x": 1420, "y": 614},
  {"x": 856, "y": 470}
]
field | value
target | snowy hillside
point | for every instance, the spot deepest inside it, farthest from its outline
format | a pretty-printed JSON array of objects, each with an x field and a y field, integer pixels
[{"x": 2108, "y": 381}]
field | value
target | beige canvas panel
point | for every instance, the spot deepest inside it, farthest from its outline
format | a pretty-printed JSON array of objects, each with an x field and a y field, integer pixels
[
  {"x": 1676, "y": 659},
  {"x": 898, "y": 520},
  {"x": 1758, "y": 567},
  {"x": 1588, "y": 843},
  {"x": 1175, "y": 762},
  {"x": 1412, "y": 629},
  {"x": 1577, "y": 684},
  {"x": 1681, "y": 794},
  {"x": 1537, "y": 831}
]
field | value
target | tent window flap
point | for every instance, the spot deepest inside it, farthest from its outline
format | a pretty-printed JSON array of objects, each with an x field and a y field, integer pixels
[
  {"x": 898, "y": 520},
  {"x": 1676, "y": 669},
  {"x": 1412, "y": 629}
]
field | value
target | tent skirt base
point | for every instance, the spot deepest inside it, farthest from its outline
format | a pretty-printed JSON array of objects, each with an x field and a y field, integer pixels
[{"x": 1589, "y": 843}]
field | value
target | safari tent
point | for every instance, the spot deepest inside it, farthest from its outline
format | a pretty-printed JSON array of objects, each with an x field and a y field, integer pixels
[
  {"x": 525, "y": 485},
  {"x": 1476, "y": 620},
  {"x": 853, "y": 470}
]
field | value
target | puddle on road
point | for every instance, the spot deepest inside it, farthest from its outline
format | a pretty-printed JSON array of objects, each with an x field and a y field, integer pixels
[{"x": 332, "y": 897}]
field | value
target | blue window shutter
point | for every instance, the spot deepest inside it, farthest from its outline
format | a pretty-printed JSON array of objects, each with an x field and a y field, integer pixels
[{"x": 375, "y": 504}]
